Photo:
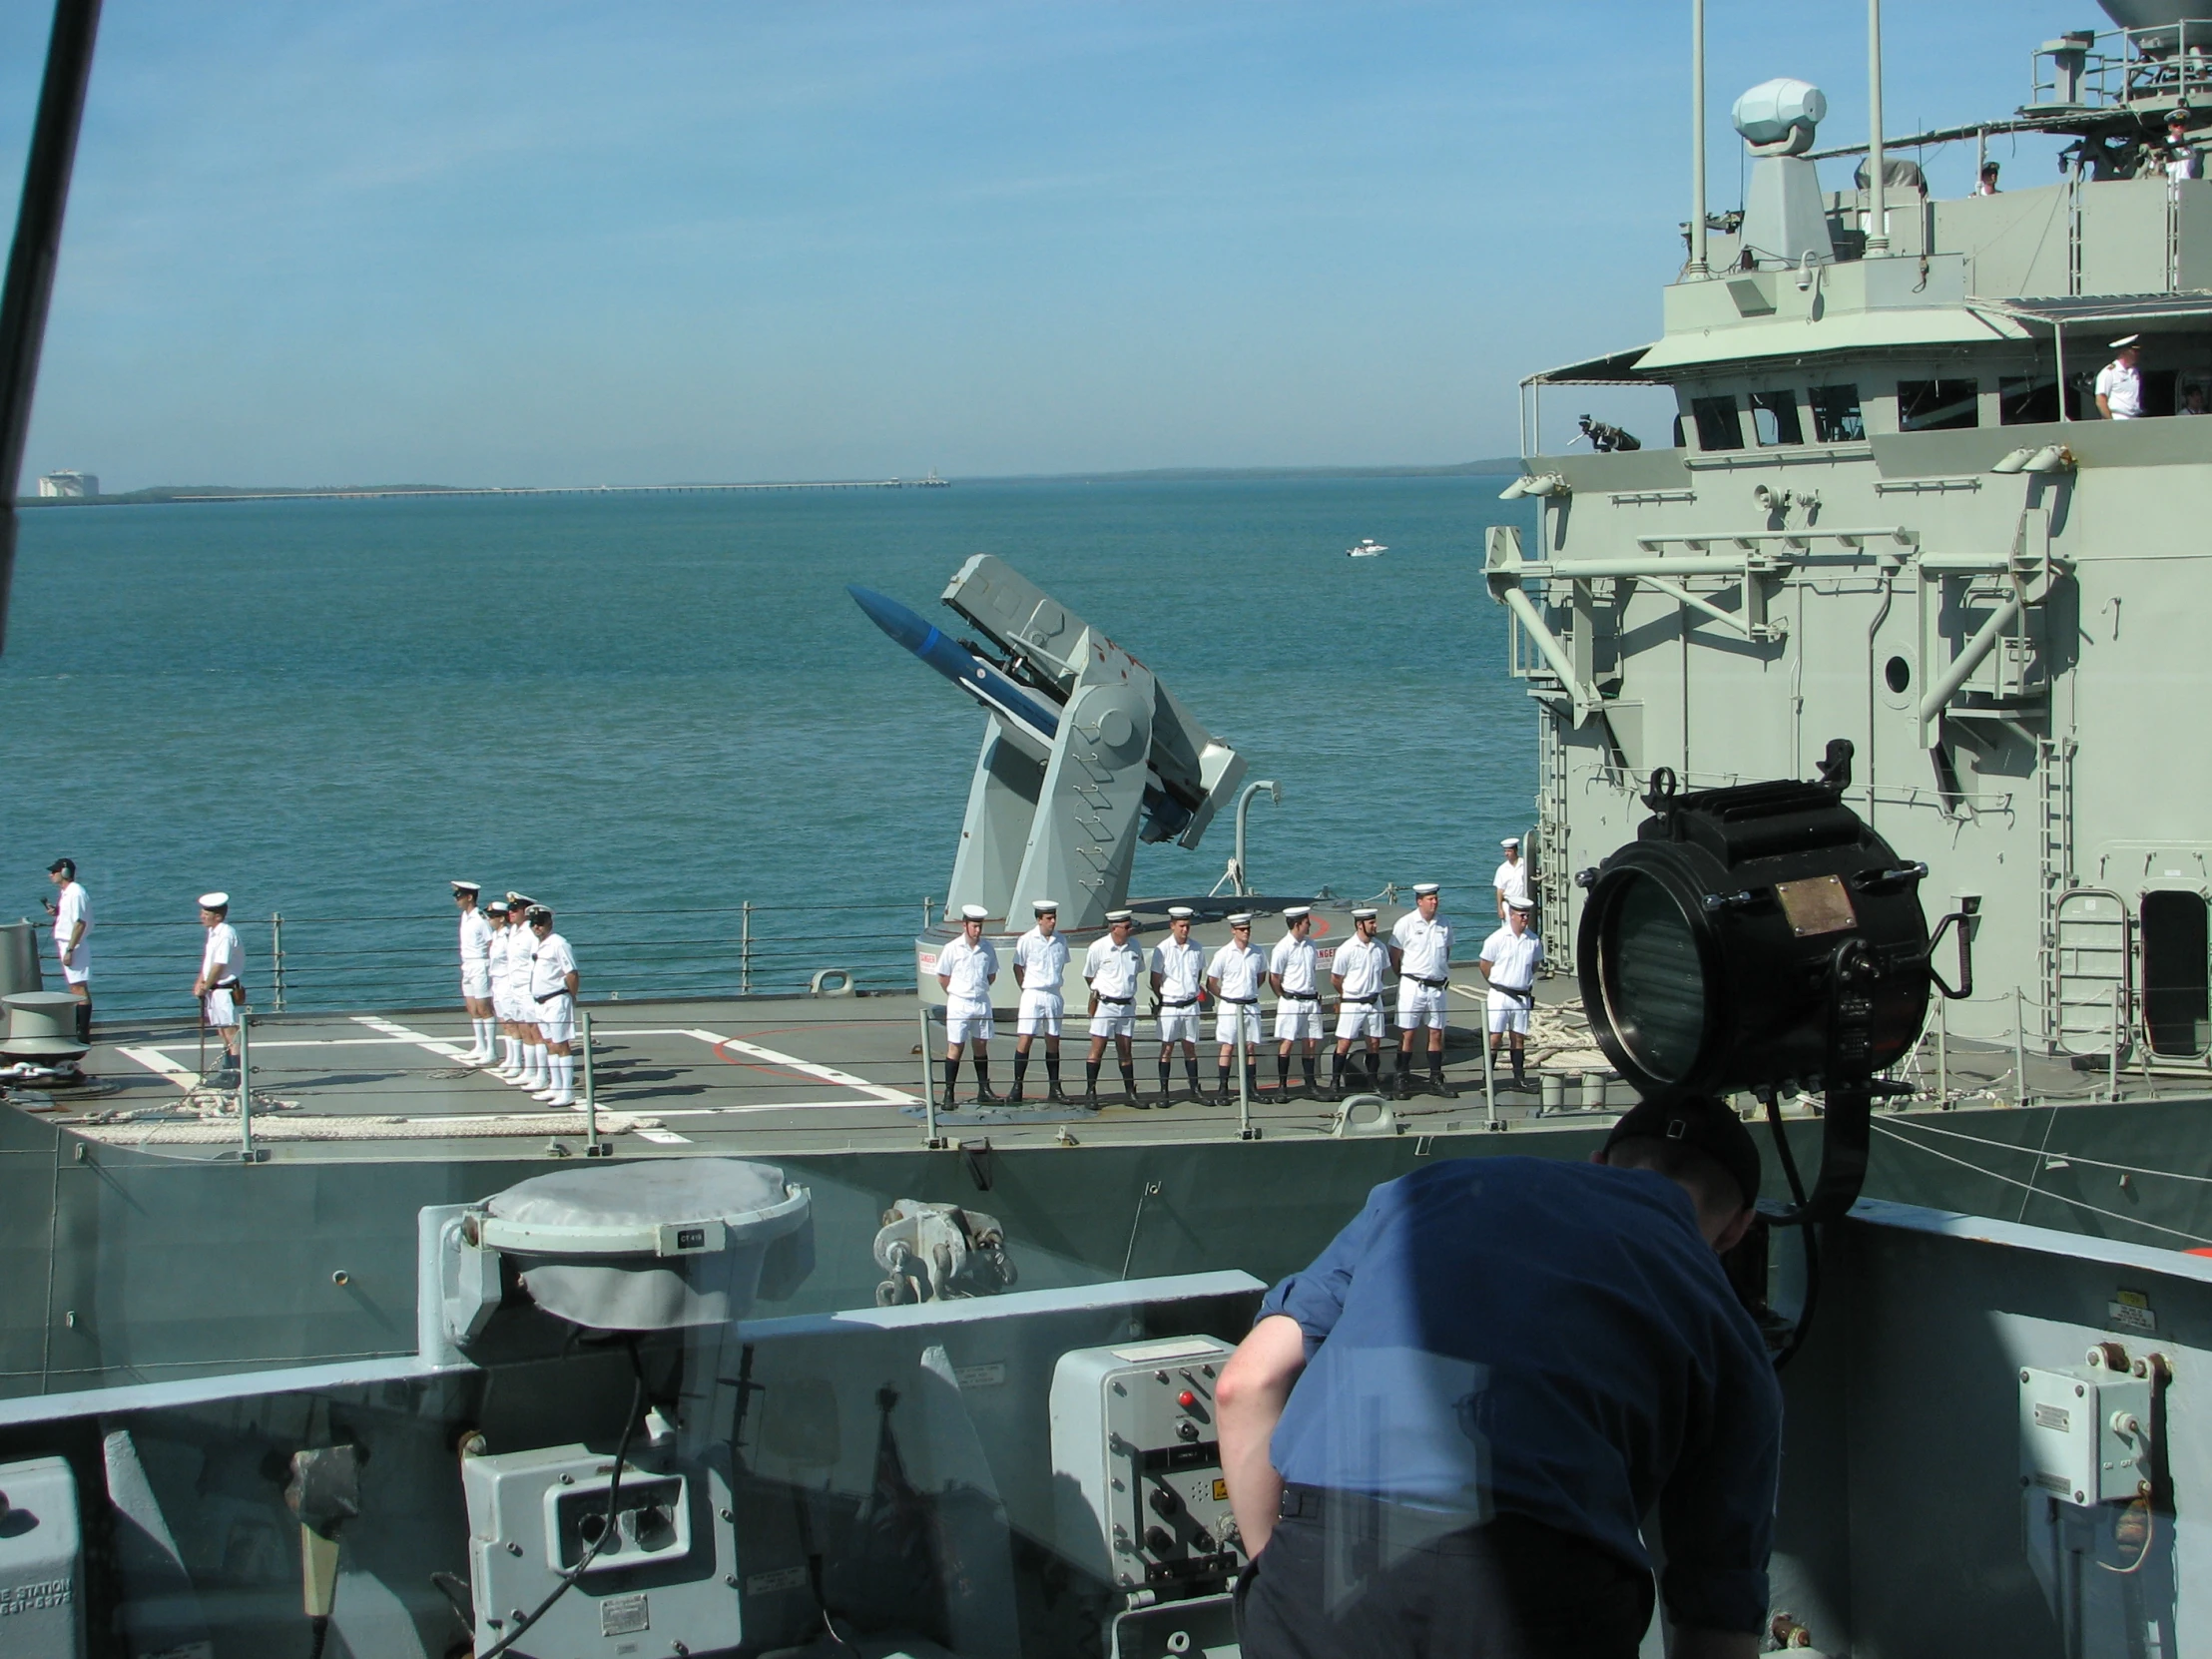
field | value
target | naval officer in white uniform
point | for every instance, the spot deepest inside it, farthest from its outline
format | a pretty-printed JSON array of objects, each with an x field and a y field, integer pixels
[
  {"x": 218, "y": 987},
  {"x": 966, "y": 969},
  {"x": 475, "y": 972},
  {"x": 1294, "y": 966},
  {"x": 536, "y": 1072},
  {"x": 1040, "y": 970},
  {"x": 1510, "y": 957},
  {"x": 1421, "y": 951},
  {"x": 506, "y": 929},
  {"x": 1511, "y": 879},
  {"x": 1234, "y": 978},
  {"x": 553, "y": 983},
  {"x": 2120, "y": 382},
  {"x": 1359, "y": 970},
  {"x": 1178, "y": 993},
  {"x": 71, "y": 909},
  {"x": 1113, "y": 965}
]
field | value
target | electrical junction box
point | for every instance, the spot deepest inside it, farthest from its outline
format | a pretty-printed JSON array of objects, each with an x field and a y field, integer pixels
[
  {"x": 1136, "y": 1463},
  {"x": 42, "y": 1614},
  {"x": 2084, "y": 1435},
  {"x": 665, "y": 1584}
]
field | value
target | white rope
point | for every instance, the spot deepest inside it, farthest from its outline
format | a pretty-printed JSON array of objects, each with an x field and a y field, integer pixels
[
  {"x": 2094, "y": 1163},
  {"x": 209, "y": 1133},
  {"x": 2041, "y": 1192}
]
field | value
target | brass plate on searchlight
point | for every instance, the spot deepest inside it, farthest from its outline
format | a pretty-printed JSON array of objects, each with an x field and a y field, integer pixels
[{"x": 1816, "y": 905}]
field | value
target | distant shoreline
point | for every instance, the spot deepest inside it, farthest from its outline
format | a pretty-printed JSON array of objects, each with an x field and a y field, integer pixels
[{"x": 170, "y": 495}]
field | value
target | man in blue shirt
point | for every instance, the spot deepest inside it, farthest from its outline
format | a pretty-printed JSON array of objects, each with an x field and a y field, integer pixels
[{"x": 1442, "y": 1437}]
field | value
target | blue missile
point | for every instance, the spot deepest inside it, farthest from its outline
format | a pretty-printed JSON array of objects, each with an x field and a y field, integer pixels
[{"x": 988, "y": 685}]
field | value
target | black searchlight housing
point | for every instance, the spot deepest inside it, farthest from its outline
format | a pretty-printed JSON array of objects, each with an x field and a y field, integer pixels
[{"x": 1762, "y": 937}]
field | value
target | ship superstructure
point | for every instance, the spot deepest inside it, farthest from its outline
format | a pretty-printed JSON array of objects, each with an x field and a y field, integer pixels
[{"x": 1891, "y": 512}]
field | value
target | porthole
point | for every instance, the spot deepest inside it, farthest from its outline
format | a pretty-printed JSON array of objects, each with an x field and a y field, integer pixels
[{"x": 1897, "y": 673}]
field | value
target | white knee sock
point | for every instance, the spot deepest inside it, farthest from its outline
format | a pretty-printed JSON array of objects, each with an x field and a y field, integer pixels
[
  {"x": 506, "y": 1052},
  {"x": 541, "y": 1071},
  {"x": 483, "y": 1037},
  {"x": 564, "y": 1073}
]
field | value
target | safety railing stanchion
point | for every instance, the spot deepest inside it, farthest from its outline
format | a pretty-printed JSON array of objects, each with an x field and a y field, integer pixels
[
  {"x": 1490, "y": 1076},
  {"x": 247, "y": 1152},
  {"x": 1943, "y": 1053},
  {"x": 1245, "y": 1131},
  {"x": 2019, "y": 1046},
  {"x": 594, "y": 1147},
  {"x": 745, "y": 953},
  {"x": 277, "y": 955},
  {"x": 930, "y": 1137},
  {"x": 2113, "y": 1060}
]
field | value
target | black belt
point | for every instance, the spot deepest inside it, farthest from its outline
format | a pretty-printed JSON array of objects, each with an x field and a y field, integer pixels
[
  {"x": 549, "y": 996},
  {"x": 1295, "y": 996},
  {"x": 1242, "y": 1001},
  {"x": 1117, "y": 1001},
  {"x": 1188, "y": 1001},
  {"x": 1527, "y": 993},
  {"x": 1364, "y": 1001},
  {"x": 1432, "y": 984}
]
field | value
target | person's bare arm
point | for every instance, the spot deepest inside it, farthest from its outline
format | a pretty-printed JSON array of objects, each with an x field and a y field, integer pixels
[
  {"x": 1715, "y": 1644},
  {"x": 1253, "y": 1387}
]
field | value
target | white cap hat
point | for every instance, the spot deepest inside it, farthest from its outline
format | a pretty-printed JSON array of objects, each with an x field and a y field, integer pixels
[
  {"x": 1422, "y": 890},
  {"x": 1297, "y": 912},
  {"x": 1113, "y": 917},
  {"x": 1510, "y": 840},
  {"x": 1520, "y": 905},
  {"x": 974, "y": 912},
  {"x": 2127, "y": 340},
  {"x": 1045, "y": 907},
  {"x": 1241, "y": 919},
  {"x": 215, "y": 902},
  {"x": 1180, "y": 912},
  {"x": 466, "y": 886},
  {"x": 1363, "y": 915}
]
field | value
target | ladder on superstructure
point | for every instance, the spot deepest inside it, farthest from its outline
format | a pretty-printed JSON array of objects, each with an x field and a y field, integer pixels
[
  {"x": 2055, "y": 810},
  {"x": 1553, "y": 876}
]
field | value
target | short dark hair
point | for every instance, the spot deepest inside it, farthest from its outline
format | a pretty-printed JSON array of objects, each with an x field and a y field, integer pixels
[
  {"x": 63, "y": 866},
  {"x": 1711, "y": 1188}
]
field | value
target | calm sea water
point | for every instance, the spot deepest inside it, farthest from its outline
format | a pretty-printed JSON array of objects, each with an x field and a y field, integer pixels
[{"x": 648, "y": 710}]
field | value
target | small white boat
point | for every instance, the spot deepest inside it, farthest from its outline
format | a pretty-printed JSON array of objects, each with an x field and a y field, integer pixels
[{"x": 1367, "y": 549}]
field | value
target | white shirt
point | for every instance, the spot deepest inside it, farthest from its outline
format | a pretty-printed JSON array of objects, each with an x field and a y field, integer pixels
[
  {"x": 1292, "y": 960},
  {"x": 1043, "y": 962},
  {"x": 1426, "y": 947},
  {"x": 220, "y": 961},
  {"x": 971, "y": 968},
  {"x": 1511, "y": 878},
  {"x": 2184, "y": 162},
  {"x": 551, "y": 962},
  {"x": 1512, "y": 960},
  {"x": 2121, "y": 389},
  {"x": 1241, "y": 969},
  {"x": 72, "y": 907},
  {"x": 1182, "y": 970},
  {"x": 501, "y": 952},
  {"x": 475, "y": 936},
  {"x": 1114, "y": 969},
  {"x": 1361, "y": 965}
]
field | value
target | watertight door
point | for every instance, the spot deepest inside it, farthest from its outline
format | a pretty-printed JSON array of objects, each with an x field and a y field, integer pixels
[
  {"x": 2177, "y": 988},
  {"x": 2095, "y": 940}
]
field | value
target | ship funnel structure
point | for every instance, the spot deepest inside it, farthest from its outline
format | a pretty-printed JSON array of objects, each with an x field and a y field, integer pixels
[
  {"x": 1085, "y": 755},
  {"x": 1785, "y": 219}
]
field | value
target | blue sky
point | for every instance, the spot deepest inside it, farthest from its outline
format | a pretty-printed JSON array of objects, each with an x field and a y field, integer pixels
[{"x": 503, "y": 242}]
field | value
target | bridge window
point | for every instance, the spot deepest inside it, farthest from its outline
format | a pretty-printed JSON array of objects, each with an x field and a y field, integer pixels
[
  {"x": 1719, "y": 424},
  {"x": 1938, "y": 405},
  {"x": 1836, "y": 417},
  {"x": 1774, "y": 419}
]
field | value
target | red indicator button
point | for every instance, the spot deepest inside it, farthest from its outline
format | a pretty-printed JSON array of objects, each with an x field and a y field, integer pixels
[{"x": 1186, "y": 1399}]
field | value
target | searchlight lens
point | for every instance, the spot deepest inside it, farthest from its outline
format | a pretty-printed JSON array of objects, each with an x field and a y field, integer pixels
[{"x": 1654, "y": 982}]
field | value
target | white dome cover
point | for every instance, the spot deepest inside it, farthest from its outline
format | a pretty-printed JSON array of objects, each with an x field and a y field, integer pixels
[{"x": 1766, "y": 112}]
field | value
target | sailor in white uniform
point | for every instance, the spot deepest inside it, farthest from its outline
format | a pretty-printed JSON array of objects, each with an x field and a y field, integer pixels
[
  {"x": 1040, "y": 970},
  {"x": 536, "y": 1072},
  {"x": 965, "y": 970},
  {"x": 1234, "y": 978},
  {"x": 1361, "y": 966},
  {"x": 217, "y": 989},
  {"x": 71, "y": 909},
  {"x": 505, "y": 929},
  {"x": 553, "y": 983},
  {"x": 1178, "y": 993},
  {"x": 1293, "y": 975},
  {"x": 475, "y": 973},
  {"x": 1421, "y": 953},
  {"x": 1115, "y": 968},
  {"x": 1511, "y": 879},
  {"x": 2120, "y": 382},
  {"x": 1510, "y": 957}
]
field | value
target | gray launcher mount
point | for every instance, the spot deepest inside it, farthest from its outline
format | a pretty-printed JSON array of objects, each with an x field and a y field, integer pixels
[{"x": 1128, "y": 762}]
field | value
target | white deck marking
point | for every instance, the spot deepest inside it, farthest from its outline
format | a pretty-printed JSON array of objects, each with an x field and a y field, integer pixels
[
  {"x": 827, "y": 1074},
  {"x": 664, "y": 1137},
  {"x": 161, "y": 1065},
  {"x": 421, "y": 1039},
  {"x": 260, "y": 1043}
]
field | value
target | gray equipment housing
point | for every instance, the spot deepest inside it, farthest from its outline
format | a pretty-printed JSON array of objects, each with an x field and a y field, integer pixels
[{"x": 1063, "y": 822}]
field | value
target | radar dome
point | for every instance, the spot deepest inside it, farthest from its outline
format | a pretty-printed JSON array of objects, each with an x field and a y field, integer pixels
[
  {"x": 1775, "y": 112},
  {"x": 2150, "y": 14}
]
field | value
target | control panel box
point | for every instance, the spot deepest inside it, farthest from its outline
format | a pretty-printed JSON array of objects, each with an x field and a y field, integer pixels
[
  {"x": 2084, "y": 1435},
  {"x": 42, "y": 1610},
  {"x": 1136, "y": 1461}
]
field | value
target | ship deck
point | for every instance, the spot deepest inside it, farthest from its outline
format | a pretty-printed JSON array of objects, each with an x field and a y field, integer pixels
[{"x": 762, "y": 1076}]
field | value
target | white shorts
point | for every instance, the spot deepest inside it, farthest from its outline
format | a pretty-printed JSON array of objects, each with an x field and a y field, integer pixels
[
  {"x": 555, "y": 1019},
  {"x": 1114, "y": 1020},
  {"x": 1297, "y": 1021},
  {"x": 1229, "y": 1016},
  {"x": 476, "y": 979},
  {"x": 1041, "y": 1014},
  {"x": 968, "y": 1022},
  {"x": 1419, "y": 1005},
  {"x": 1508, "y": 1013},
  {"x": 78, "y": 970},
  {"x": 1180, "y": 1025},
  {"x": 503, "y": 1003},
  {"x": 1359, "y": 1020},
  {"x": 222, "y": 1010}
]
